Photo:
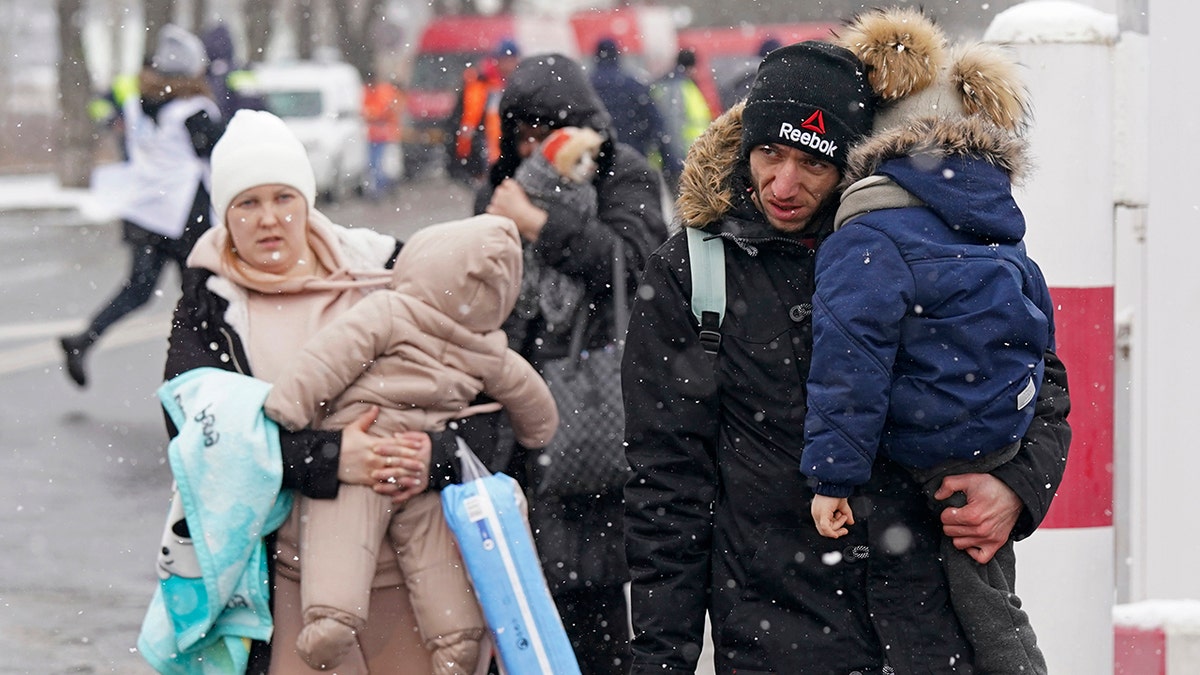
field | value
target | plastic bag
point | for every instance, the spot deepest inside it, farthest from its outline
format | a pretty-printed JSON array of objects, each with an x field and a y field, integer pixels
[{"x": 487, "y": 514}]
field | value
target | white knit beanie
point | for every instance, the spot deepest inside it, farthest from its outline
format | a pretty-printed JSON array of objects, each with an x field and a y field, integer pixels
[{"x": 258, "y": 148}]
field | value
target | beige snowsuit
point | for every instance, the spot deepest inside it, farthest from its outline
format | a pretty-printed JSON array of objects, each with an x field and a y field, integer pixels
[{"x": 422, "y": 351}]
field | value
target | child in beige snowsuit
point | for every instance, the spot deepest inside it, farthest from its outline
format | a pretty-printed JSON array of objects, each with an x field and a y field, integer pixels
[{"x": 422, "y": 351}]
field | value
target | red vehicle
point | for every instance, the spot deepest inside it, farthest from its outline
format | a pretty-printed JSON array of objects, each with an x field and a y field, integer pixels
[
  {"x": 448, "y": 44},
  {"x": 446, "y": 47},
  {"x": 727, "y": 56},
  {"x": 646, "y": 36}
]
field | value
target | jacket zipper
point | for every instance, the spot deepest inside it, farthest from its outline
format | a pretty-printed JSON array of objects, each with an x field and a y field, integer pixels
[{"x": 237, "y": 365}]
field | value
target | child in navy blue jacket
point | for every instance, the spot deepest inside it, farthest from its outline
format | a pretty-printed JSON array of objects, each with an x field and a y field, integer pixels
[{"x": 929, "y": 320}]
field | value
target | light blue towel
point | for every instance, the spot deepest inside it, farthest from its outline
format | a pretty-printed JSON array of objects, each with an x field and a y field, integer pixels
[{"x": 228, "y": 470}]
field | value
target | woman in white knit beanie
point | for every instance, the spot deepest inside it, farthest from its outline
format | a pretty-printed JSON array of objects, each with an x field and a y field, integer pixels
[{"x": 258, "y": 284}]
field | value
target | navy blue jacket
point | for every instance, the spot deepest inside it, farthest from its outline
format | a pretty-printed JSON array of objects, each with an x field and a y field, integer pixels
[{"x": 929, "y": 327}]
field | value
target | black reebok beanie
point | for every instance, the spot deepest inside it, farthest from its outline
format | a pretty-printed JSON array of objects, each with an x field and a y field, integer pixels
[{"x": 813, "y": 96}]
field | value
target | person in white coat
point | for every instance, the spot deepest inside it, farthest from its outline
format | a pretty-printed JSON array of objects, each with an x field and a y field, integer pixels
[{"x": 170, "y": 131}]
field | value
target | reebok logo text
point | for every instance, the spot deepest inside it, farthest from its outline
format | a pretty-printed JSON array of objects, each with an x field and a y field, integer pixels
[{"x": 806, "y": 138}]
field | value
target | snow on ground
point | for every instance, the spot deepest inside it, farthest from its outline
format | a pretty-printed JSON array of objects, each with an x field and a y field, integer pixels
[
  {"x": 42, "y": 192},
  {"x": 23, "y": 192}
]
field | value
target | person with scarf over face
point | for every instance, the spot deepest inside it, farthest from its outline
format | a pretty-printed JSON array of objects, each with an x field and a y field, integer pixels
[
  {"x": 717, "y": 511},
  {"x": 579, "y": 538}
]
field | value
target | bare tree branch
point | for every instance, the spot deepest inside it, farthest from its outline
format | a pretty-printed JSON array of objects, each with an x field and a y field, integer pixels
[
  {"x": 199, "y": 15},
  {"x": 354, "y": 33},
  {"x": 304, "y": 29},
  {"x": 258, "y": 27},
  {"x": 158, "y": 14}
]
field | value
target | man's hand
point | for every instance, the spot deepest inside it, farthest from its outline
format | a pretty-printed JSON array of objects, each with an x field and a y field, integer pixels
[{"x": 982, "y": 526}]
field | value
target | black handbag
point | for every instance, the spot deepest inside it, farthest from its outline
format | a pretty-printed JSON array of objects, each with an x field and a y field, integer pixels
[{"x": 587, "y": 454}]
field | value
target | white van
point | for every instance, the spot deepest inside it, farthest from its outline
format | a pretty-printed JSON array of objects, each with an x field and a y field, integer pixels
[{"x": 322, "y": 104}]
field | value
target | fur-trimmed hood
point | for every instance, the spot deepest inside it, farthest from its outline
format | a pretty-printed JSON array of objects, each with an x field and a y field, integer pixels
[
  {"x": 940, "y": 137},
  {"x": 961, "y": 168},
  {"x": 715, "y": 176},
  {"x": 159, "y": 89},
  {"x": 938, "y": 100}
]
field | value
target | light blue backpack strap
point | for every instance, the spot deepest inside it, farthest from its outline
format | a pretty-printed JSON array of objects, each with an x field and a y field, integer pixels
[{"x": 707, "y": 256}]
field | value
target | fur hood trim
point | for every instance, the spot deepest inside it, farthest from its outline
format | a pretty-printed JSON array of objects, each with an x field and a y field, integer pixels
[
  {"x": 708, "y": 188},
  {"x": 916, "y": 73},
  {"x": 901, "y": 48},
  {"x": 940, "y": 136},
  {"x": 159, "y": 88}
]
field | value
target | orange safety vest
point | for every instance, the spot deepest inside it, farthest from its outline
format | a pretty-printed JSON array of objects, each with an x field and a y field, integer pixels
[
  {"x": 481, "y": 107},
  {"x": 382, "y": 103}
]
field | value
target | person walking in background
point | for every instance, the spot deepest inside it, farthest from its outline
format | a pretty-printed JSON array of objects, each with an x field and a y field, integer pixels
[
  {"x": 383, "y": 104},
  {"x": 256, "y": 287},
  {"x": 107, "y": 110},
  {"x": 475, "y": 138},
  {"x": 738, "y": 87},
  {"x": 717, "y": 519},
  {"x": 578, "y": 537},
  {"x": 685, "y": 113},
  {"x": 635, "y": 117},
  {"x": 170, "y": 130}
]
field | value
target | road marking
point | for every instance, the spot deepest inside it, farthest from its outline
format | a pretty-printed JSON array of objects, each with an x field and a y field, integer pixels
[{"x": 42, "y": 354}]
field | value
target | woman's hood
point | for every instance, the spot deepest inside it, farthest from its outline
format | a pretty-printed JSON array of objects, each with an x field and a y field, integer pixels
[
  {"x": 470, "y": 270},
  {"x": 714, "y": 179},
  {"x": 553, "y": 90}
]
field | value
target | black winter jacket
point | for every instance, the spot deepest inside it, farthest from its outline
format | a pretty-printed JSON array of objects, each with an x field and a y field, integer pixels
[
  {"x": 201, "y": 337},
  {"x": 717, "y": 513}
]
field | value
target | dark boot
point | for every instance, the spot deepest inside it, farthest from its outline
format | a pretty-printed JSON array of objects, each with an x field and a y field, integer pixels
[{"x": 75, "y": 347}]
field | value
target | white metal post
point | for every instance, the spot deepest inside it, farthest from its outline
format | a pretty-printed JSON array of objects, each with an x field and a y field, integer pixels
[{"x": 1168, "y": 562}]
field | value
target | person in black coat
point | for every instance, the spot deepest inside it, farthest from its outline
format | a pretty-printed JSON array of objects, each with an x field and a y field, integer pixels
[
  {"x": 717, "y": 511},
  {"x": 579, "y": 537}
]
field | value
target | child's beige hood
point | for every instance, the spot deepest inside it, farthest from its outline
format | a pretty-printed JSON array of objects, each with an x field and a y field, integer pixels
[{"x": 470, "y": 270}]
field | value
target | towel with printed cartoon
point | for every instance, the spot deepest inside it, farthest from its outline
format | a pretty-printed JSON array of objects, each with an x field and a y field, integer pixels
[{"x": 212, "y": 597}]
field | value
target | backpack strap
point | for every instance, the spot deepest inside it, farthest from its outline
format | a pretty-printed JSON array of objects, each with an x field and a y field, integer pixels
[{"x": 707, "y": 256}]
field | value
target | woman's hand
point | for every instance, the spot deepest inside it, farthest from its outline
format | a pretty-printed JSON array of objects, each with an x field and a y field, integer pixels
[
  {"x": 509, "y": 200},
  {"x": 396, "y": 466},
  {"x": 406, "y": 458}
]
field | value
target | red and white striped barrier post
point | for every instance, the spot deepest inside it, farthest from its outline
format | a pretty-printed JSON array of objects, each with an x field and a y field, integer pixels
[{"x": 1065, "y": 571}]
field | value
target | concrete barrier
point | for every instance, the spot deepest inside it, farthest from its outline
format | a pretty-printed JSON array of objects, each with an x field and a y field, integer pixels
[{"x": 1157, "y": 637}]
